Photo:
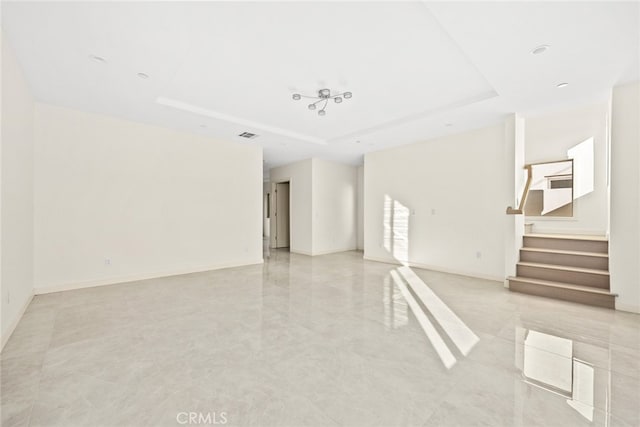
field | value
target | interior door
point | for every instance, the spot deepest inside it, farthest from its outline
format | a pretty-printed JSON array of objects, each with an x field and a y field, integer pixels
[{"x": 282, "y": 215}]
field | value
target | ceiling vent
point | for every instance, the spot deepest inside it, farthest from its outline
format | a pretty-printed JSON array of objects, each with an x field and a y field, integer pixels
[{"x": 248, "y": 135}]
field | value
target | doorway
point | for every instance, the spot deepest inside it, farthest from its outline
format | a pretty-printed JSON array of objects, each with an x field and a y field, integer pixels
[{"x": 281, "y": 214}]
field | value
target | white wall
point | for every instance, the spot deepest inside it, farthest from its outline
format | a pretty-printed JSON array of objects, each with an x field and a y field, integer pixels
[
  {"x": 334, "y": 188},
  {"x": 152, "y": 201},
  {"x": 360, "y": 198},
  {"x": 16, "y": 190},
  {"x": 624, "y": 243},
  {"x": 300, "y": 230},
  {"x": 548, "y": 138},
  {"x": 454, "y": 191}
]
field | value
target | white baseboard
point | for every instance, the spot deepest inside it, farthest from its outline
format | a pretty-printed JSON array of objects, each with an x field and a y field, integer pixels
[
  {"x": 628, "y": 307},
  {"x": 300, "y": 251},
  {"x": 60, "y": 287},
  {"x": 332, "y": 251},
  {"x": 14, "y": 323},
  {"x": 436, "y": 268}
]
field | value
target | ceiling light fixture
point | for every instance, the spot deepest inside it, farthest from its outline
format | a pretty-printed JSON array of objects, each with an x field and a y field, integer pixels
[
  {"x": 98, "y": 58},
  {"x": 324, "y": 95},
  {"x": 540, "y": 49},
  {"x": 143, "y": 75},
  {"x": 561, "y": 85}
]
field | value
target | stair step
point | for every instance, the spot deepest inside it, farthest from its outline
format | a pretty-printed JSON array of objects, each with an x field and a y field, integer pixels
[
  {"x": 595, "y": 238},
  {"x": 563, "y": 291},
  {"x": 564, "y": 274},
  {"x": 575, "y": 243},
  {"x": 593, "y": 260},
  {"x": 560, "y": 251},
  {"x": 566, "y": 268}
]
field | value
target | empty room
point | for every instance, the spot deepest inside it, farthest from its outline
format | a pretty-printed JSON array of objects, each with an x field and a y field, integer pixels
[{"x": 320, "y": 213}]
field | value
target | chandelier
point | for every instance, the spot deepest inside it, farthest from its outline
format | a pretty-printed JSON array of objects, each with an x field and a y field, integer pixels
[{"x": 324, "y": 95}]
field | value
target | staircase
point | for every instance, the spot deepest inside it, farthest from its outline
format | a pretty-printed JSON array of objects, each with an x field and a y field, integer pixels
[{"x": 570, "y": 268}]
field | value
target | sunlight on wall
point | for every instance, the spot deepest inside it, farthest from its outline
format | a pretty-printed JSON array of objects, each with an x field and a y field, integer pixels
[
  {"x": 396, "y": 229},
  {"x": 413, "y": 293},
  {"x": 387, "y": 234},
  {"x": 583, "y": 164}
]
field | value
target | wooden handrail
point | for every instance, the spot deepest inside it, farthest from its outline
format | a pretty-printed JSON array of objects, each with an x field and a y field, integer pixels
[{"x": 525, "y": 194}]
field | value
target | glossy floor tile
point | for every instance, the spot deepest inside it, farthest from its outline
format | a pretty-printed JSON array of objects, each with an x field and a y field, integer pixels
[{"x": 322, "y": 341}]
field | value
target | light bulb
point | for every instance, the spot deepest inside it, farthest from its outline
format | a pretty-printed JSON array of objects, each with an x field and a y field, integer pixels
[
  {"x": 321, "y": 113},
  {"x": 338, "y": 100},
  {"x": 296, "y": 96},
  {"x": 312, "y": 106},
  {"x": 347, "y": 95}
]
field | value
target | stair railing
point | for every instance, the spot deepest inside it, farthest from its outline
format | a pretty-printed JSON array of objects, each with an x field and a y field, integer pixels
[{"x": 525, "y": 194}]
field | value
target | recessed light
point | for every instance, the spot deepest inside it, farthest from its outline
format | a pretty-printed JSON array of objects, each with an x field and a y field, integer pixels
[
  {"x": 540, "y": 49},
  {"x": 561, "y": 85},
  {"x": 143, "y": 75},
  {"x": 448, "y": 124},
  {"x": 98, "y": 58}
]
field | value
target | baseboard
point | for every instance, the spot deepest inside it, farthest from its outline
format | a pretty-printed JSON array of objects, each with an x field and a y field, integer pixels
[
  {"x": 300, "y": 252},
  {"x": 436, "y": 268},
  {"x": 628, "y": 308},
  {"x": 14, "y": 324},
  {"x": 333, "y": 251},
  {"x": 60, "y": 287}
]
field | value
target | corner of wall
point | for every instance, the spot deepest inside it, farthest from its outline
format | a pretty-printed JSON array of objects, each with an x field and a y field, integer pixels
[
  {"x": 14, "y": 323},
  {"x": 16, "y": 193}
]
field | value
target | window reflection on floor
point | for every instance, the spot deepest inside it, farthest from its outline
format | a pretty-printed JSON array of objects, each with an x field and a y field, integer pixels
[{"x": 548, "y": 362}]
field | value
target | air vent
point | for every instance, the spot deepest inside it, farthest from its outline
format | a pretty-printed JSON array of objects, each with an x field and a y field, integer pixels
[{"x": 248, "y": 135}]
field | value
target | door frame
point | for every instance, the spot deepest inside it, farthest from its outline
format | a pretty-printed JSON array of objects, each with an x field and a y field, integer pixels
[{"x": 273, "y": 225}]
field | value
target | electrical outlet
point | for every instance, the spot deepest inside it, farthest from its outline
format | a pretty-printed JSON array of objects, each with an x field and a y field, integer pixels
[
  {"x": 478, "y": 254},
  {"x": 107, "y": 262},
  {"x": 433, "y": 211}
]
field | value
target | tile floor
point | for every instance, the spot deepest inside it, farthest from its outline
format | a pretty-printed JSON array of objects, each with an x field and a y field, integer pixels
[{"x": 323, "y": 341}]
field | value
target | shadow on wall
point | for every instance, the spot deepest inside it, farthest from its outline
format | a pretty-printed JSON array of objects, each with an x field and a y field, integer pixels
[{"x": 405, "y": 290}]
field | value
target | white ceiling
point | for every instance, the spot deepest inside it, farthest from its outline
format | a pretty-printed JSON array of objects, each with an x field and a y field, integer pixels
[{"x": 417, "y": 70}]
